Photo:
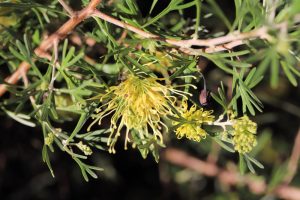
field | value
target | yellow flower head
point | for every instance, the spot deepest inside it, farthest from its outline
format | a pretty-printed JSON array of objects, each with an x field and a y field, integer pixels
[
  {"x": 191, "y": 129},
  {"x": 49, "y": 139},
  {"x": 244, "y": 138},
  {"x": 136, "y": 103},
  {"x": 84, "y": 148}
]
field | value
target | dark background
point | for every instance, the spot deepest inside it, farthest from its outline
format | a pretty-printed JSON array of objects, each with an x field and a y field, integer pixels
[{"x": 126, "y": 174}]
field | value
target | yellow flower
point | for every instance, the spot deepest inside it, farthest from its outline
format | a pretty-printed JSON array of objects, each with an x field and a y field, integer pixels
[
  {"x": 84, "y": 148},
  {"x": 49, "y": 139},
  {"x": 136, "y": 104},
  {"x": 194, "y": 117},
  {"x": 244, "y": 138}
]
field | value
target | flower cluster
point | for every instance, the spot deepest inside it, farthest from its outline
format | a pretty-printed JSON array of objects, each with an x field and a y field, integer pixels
[
  {"x": 194, "y": 117},
  {"x": 244, "y": 138},
  {"x": 84, "y": 148},
  {"x": 136, "y": 104},
  {"x": 49, "y": 139}
]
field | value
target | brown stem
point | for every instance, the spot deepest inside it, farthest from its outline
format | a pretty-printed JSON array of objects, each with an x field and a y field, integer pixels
[
  {"x": 61, "y": 33},
  {"x": 66, "y": 28},
  {"x": 211, "y": 43},
  {"x": 294, "y": 160},
  {"x": 226, "y": 176},
  {"x": 67, "y": 8}
]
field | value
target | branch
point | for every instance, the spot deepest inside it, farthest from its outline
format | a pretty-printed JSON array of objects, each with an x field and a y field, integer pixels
[
  {"x": 61, "y": 33},
  {"x": 225, "y": 176},
  {"x": 294, "y": 160},
  {"x": 66, "y": 28},
  {"x": 235, "y": 38},
  {"x": 67, "y": 8},
  {"x": 210, "y": 45}
]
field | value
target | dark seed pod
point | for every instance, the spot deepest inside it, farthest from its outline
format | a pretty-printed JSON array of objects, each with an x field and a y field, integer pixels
[{"x": 204, "y": 97}]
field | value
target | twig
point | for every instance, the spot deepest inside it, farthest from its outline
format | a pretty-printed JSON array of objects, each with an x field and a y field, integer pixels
[
  {"x": 122, "y": 37},
  {"x": 211, "y": 43},
  {"x": 214, "y": 153},
  {"x": 55, "y": 64},
  {"x": 26, "y": 84},
  {"x": 46, "y": 44},
  {"x": 294, "y": 159},
  {"x": 207, "y": 45},
  {"x": 67, "y": 8},
  {"x": 288, "y": 192},
  {"x": 227, "y": 177},
  {"x": 23, "y": 68},
  {"x": 213, "y": 49},
  {"x": 66, "y": 28}
]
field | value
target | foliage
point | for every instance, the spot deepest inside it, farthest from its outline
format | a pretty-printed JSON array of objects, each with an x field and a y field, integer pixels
[{"x": 146, "y": 84}]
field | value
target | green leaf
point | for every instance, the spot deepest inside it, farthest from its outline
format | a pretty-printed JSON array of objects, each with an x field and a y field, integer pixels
[
  {"x": 278, "y": 174},
  {"x": 262, "y": 67},
  {"x": 68, "y": 57},
  {"x": 36, "y": 37},
  {"x": 218, "y": 100},
  {"x": 185, "y": 6},
  {"x": 47, "y": 160},
  {"x": 274, "y": 72},
  {"x": 254, "y": 161},
  {"x": 75, "y": 59},
  {"x": 220, "y": 64},
  {"x": 242, "y": 164},
  {"x": 132, "y": 6},
  {"x": 153, "y": 5},
  {"x": 223, "y": 145},
  {"x": 289, "y": 74},
  {"x": 65, "y": 46},
  {"x": 27, "y": 46},
  {"x": 172, "y": 5},
  {"x": 295, "y": 7},
  {"x": 16, "y": 54},
  {"x": 39, "y": 17},
  {"x": 233, "y": 54},
  {"x": 139, "y": 66},
  {"x": 83, "y": 118},
  {"x": 82, "y": 168},
  {"x": 246, "y": 101},
  {"x": 250, "y": 166},
  {"x": 250, "y": 76},
  {"x": 219, "y": 12},
  {"x": 181, "y": 69},
  {"x": 21, "y": 118}
]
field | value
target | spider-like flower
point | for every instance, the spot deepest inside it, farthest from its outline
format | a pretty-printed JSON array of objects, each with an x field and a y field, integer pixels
[
  {"x": 244, "y": 137},
  {"x": 136, "y": 104},
  {"x": 194, "y": 117}
]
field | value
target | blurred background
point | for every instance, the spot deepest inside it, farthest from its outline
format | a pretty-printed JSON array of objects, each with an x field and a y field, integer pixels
[{"x": 187, "y": 170}]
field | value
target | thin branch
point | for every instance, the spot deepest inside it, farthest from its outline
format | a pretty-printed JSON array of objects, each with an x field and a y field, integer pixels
[
  {"x": 23, "y": 68},
  {"x": 226, "y": 176},
  {"x": 121, "y": 24},
  {"x": 55, "y": 64},
  {"x": 122, "y": 37},
  {"x": 67, "y": 8},
  {"x": 294, "y": 160},
  {"x": 66, "y": 28},
  {"x": 46, "y": 44},
  {"x": 213, "y": 49},
  {"x": 211, "y": 43},
  {"x": 26, "y": 84}
]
